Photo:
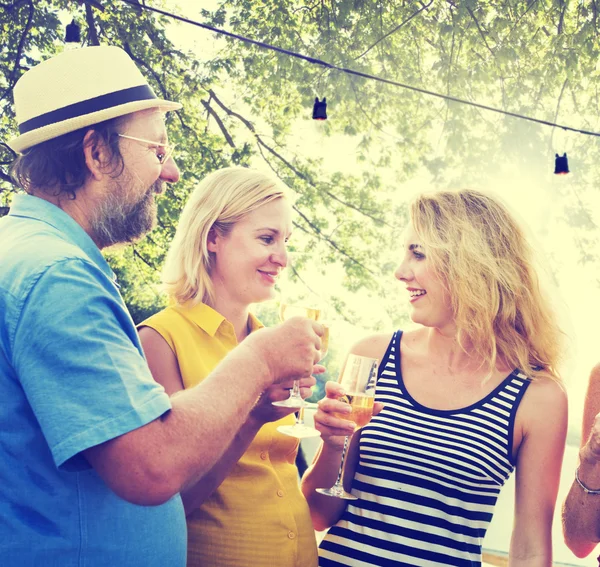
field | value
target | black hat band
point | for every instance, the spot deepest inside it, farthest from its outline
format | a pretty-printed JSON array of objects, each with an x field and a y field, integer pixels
[{"x": 102, "y": 102}]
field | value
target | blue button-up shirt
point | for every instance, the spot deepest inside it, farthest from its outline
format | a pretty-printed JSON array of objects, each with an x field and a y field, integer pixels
[{"x": 72, "y": 375}]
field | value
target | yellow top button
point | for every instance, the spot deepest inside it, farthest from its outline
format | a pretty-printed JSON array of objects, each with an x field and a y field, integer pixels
[
  {"x": 263, "y": 456},
  {"x": 280, "y": 493},
  {"x": 291, "y": 535}
]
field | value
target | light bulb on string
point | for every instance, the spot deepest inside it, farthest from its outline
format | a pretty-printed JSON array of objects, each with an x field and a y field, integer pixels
[
  {"x": 72, "y": 36},
  {"x": 561, "y": 162},
  {"x": 73, "y": 32},
  {"x": 320, "y": 109}
]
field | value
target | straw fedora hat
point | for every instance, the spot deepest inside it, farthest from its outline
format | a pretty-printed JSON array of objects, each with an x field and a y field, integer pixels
[{"x": 79, "y": 88}]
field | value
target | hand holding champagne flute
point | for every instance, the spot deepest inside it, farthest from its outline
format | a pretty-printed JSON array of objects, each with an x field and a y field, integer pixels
[
  {"x": 358, "y": 380},
  {"x": 301, "y": 302},
  {"x": 300, "y": 429},
  {"x": 314, "y": 313},
  {"x": 287, "y": 311}
]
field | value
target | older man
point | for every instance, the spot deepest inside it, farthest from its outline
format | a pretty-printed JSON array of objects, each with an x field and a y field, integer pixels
[{"x": 93, "y": 453}]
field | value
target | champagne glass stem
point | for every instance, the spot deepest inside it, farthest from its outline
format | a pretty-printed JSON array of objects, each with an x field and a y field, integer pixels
[
  {"x": 338, "y": 482},
  {"x": 294, "y": 400},
  {"x": 300, "y": 417},
  {"x": 295, "y": 393},
  {"x": 337, "y": 490}
]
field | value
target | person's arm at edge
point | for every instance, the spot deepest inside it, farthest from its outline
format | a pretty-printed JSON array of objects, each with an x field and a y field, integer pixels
[
  {"x": 581, "y": 511},
  {"x": 324, "y": 510},
  {"x": 151, "y": 464},
  {"x": 538, "y": 467}
]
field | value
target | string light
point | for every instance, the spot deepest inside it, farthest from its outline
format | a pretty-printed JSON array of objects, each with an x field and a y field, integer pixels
[
  {"x": 320, "y": 109},
  {"x": 561, "y": 164},
  {"x": 73, "y": 33},
  {"x": 322, "y": 63}
]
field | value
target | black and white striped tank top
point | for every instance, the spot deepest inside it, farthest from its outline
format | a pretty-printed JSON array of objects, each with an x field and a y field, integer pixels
[{"x": 427, "y": 480}]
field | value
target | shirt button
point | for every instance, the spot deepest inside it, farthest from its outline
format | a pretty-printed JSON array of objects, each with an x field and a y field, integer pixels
[
  {"x": 263, "y": 456},
  {"x": 280, "y": 493},
  {"x": 291, "y": 535}
]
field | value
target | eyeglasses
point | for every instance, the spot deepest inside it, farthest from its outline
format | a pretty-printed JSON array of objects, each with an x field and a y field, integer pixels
[{"x": 163, "y": 156}]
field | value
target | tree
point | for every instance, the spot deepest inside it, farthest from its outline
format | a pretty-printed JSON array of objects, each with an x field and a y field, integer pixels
[
  {"x": 245, "y": 105},
  {"x": 209, "y": 133}
]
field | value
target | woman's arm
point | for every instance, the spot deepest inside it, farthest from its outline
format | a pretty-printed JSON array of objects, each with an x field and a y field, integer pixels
[
  {"x": 581, "y": 511},
  {"x": 325, "y": 510},
  {"x": 543, "y": 420},
  {"x": 161, "y": 360},
  {"x": 165, "y": 370}
]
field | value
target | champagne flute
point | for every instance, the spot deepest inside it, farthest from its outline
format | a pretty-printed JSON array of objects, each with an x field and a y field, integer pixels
[
  {"x": 358, "y": 379},
  {"x": 300, "y": 429},
  {"x": 305, "y": 303},
  {"x": 301, "y": 302},
  {"x": 287, "y": 311}
]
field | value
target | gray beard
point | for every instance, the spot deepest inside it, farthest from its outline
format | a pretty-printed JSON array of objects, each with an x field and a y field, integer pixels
[{"x": 116, "y": 221}]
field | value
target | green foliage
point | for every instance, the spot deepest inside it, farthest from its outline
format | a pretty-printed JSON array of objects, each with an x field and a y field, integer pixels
[{"x": 247, "y": 105}]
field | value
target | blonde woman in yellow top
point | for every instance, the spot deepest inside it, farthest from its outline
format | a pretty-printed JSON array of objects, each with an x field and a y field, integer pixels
[{"x": 228, "y": 251}]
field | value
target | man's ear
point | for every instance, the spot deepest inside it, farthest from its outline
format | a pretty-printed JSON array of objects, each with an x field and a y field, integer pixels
[{"x": 97, "y": 154}]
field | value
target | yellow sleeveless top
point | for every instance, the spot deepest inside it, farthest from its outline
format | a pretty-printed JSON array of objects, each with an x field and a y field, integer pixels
[{"x": 257, "y": 517}]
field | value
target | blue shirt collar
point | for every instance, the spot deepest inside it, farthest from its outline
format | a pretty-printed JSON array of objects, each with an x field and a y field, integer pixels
[{"x": 28, "y": 206}]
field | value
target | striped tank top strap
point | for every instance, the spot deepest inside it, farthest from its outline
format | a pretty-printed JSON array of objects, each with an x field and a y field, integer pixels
[
  {"x": 508, "y": 397},
  {"x": 391, "y": 355}
]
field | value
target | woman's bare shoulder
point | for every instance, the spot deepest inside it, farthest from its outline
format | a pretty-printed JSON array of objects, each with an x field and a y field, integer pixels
[
  {"x": 373, "y": 346},
  {"x": 545, "y": 397},
  {"x": 376, "y": 345}
]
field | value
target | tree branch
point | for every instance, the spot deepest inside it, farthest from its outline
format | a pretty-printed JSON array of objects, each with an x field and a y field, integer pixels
[
  {"x": 316, "y": 229},
  {"x": 10, "y": 150},
  {"x": 89, "y": 18},
  {"x": 319, "y": 188},
  {"x": 290, "y": 166},
  {"x": 147, "y": 262},
  {"x": 394, "y": 30},
  {"x": 145, "y": 65},
  {"x": 518, "y": 20},
  {"x": 9, "y": 7},
  {"x": 366, "y": 114},
  {"x": 13, "y": 76},
  {"x": 307, "y": 8},
  {"x": 219, "y": 122},
  {"x": 562, "y": 90},
  {"x": 480, "y": 30},
  {"x": 6, "y": 177},
  {"x": 230, "y": 112},
  {"x": 95, "y": 3},
  {"x": 561, "y": 21},
  {"x": 329, "y": 241}
]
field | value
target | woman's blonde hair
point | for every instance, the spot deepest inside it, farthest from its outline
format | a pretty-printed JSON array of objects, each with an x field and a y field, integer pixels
[
  {"x": 484, "y": 259},
  {"x": 219, "y": 201}
]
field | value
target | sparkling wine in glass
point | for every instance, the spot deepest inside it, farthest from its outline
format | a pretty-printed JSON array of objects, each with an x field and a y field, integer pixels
[{"x": 358, "y": 379}]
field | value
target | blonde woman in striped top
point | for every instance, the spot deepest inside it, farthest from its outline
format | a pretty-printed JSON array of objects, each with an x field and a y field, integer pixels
[{"x": 463, "y": 399}]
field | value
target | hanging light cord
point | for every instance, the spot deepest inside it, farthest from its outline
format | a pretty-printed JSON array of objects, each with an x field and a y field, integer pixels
[{"x": 322, "y": 63}]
